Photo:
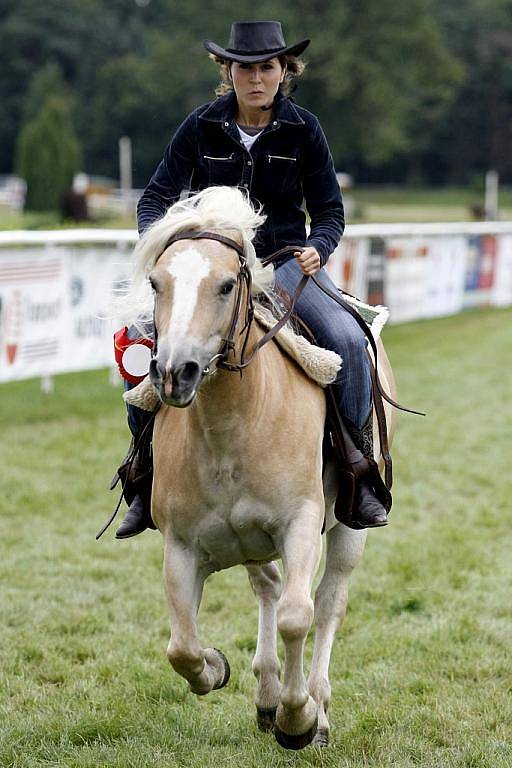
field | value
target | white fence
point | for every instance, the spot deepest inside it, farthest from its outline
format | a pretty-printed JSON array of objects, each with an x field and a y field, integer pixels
[{"x": 56, "y": 287}]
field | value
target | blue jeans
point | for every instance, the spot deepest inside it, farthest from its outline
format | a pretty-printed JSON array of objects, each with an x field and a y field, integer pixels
[{"x": 335, "y": 329}]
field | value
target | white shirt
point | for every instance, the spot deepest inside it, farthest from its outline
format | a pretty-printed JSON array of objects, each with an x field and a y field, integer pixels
[{"x": 246, "y": 139}]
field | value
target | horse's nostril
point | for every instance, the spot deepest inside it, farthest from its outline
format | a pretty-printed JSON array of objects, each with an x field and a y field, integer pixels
[
  {"x": 188, "y": 373},
  {"x": 156, "y": 371}
]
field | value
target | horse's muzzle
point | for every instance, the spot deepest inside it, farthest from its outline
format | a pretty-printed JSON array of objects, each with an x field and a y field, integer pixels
[{"x": 176, "y": 386}]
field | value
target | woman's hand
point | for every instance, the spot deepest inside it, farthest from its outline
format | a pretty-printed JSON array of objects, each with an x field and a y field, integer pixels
[{"x": 309, "y": 260}]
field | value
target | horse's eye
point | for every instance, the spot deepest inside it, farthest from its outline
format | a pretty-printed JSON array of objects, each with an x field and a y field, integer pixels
[
  {"x": 153, "y": 285},
  {"x": 226, "y": 287}
]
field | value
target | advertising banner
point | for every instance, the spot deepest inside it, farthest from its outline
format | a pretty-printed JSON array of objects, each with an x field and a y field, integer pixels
[
  {"x": 480, "y": 270},
  {"x": 501, "y": 292},
  {"x": 348, "y": 266},
  {"x": 56, "y": 309},
  {"x": 33, "y": 311},
  {"x": 406, "y": 278}
]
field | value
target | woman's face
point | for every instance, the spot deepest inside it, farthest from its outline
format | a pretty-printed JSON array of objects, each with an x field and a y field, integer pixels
[{"x": 256, "y": 84}]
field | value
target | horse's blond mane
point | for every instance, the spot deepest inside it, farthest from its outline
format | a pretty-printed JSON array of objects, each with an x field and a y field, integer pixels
[{"x": 218, "y": 209}]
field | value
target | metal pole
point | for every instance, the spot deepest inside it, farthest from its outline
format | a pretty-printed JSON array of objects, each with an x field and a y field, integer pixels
[
  {"x": 47, "y": 385},
  {"x": 125, "y": 172},
  {"x": 491, "y": 195}
]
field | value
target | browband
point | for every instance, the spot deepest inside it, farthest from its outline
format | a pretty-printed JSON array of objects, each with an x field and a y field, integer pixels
[{"x": 194, "y": 234}]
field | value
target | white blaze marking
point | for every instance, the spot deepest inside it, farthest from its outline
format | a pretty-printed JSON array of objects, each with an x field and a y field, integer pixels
[{"x": 189, "y": 268}]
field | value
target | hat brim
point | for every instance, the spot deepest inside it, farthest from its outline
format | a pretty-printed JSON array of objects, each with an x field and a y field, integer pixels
[{"x": 242, "y": 58}]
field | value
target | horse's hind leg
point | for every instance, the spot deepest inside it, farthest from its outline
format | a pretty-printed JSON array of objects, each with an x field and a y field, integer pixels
[
  {"x": 205, "y": 669},
  {"x": 266, "y": 582},
  {"x": 344, "y": 549}
]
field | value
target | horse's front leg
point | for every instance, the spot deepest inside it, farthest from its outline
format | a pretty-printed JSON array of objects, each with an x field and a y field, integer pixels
[
  {"x": 205, "y": 669},
  {"x": 296, "y": 719},
  {"x": 266, "y": 582}
]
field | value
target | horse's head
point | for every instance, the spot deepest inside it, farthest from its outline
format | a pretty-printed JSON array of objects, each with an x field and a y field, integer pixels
[{"x": 195, "y": 285}]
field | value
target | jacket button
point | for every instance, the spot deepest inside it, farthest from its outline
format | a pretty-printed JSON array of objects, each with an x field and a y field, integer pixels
[
  {"x": 249, "y": 162},
  {"x": 275, "y": 122},
  {"x": 226, "y": 125},
  {"x": 245, "y": 186}
]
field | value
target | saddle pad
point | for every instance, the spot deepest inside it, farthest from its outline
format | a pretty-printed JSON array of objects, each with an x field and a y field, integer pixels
[{"x": 375, "y": 317}]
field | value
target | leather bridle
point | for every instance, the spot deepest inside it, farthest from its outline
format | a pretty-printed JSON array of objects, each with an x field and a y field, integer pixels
[{"x": 244, "y": 283}]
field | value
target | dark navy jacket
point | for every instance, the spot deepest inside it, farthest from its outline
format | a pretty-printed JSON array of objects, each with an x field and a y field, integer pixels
[{"x": 289, "y": 163}]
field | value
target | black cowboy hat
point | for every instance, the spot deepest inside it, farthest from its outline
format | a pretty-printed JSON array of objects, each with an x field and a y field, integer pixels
[{"x": 251, "y": 42}]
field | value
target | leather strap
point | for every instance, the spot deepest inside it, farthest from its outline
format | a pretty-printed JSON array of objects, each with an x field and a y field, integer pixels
[
  {"x": 193, "y": 234},
  {"x": 382, "y": 426}
]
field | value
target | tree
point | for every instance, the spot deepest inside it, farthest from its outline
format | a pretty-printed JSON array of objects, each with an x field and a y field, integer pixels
[
  {"x": 79, "y": 35},
  {"x": 48, "y": 155},
  {"x": 46, "y": 81},
  {"x": 476, "y": 134}
]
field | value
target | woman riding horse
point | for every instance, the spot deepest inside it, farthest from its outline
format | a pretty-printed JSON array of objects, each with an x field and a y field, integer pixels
[{"x": 253, "y": 136}]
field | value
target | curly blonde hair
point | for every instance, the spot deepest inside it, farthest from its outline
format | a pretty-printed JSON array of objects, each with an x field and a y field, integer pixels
[{"x": 293, "y": 66}]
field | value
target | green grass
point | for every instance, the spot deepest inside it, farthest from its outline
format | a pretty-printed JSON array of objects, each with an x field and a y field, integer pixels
[
  {"x": 400, "y": 203},
  {"x": 34, "y": 220},
  {"x": 395, "y": 194},
  {"x": 421, "y": 670}
]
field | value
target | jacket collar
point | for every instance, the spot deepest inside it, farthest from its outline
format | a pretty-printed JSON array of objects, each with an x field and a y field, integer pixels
[{"x": 223, "y": 109}]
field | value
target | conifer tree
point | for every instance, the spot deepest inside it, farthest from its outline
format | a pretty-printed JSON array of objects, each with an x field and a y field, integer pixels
[{"x": 48, "y": 154}]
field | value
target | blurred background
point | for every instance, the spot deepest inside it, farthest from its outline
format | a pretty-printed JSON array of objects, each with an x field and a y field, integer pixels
[{"x": 415, "y": 97}]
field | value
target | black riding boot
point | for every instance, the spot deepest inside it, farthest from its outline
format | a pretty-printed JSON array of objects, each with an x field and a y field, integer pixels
[
  {"x": 138, "y": 515},
  {"x": 136, "y": 475},
  {"x": 369, "y": 511}
]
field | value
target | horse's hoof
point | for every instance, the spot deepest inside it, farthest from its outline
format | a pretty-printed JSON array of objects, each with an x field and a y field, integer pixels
[
  {"x": 227, "y": 670},
  {"x": 266, "y": 718},
  {"x": 322, "y": 738},
  {"x": 292, "y": 741}
]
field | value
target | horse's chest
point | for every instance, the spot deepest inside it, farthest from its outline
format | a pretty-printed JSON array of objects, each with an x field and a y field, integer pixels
[
  {"x": 237, "y": 537},
  {"x": 235, "y": 522}
]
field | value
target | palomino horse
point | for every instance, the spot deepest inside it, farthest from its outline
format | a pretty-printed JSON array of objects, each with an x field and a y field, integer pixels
[{"x": 238, "y": 468}]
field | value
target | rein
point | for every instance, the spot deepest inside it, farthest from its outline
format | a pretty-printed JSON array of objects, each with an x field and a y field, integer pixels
[
  {"x": 228, "y": 345},
  {"x": 245, "y": 278}
]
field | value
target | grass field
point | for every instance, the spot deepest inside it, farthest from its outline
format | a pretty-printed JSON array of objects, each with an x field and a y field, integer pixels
[
  {"x": 400, "y": 203},
  {"x": 421, "y": 672}
]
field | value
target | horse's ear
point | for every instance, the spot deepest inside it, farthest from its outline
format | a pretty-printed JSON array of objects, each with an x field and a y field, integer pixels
[{"x": 250, "y": 253}]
